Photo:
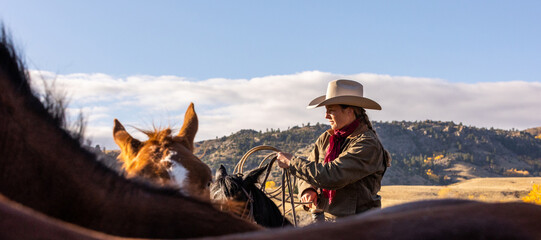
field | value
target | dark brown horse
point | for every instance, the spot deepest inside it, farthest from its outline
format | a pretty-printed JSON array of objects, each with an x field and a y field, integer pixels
[
  {"x": 20, "y": 222},
  {"x": 43, "y": 168},
  {"x": 436, "y": 219},
  {"x": 166, "y": 159},
  {"x": 52, "y": 188}
]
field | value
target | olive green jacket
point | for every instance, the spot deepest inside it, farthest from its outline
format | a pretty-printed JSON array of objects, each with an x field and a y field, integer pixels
[{"x": 355, "y": 175}]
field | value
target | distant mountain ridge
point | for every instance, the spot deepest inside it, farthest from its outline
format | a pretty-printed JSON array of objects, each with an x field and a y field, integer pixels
[{"x": 423, "y": 152}]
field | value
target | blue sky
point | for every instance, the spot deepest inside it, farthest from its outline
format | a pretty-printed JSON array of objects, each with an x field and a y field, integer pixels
[
  {"x": 256, "y": 64},
  {"x": 459, "y": 41}
]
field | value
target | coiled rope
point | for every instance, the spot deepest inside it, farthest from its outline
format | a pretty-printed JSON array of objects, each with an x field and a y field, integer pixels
[{"x": 287, "y": 179}]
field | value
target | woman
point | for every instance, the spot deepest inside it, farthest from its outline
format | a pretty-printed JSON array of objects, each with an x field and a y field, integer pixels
[{"x": 342, "y": 175}]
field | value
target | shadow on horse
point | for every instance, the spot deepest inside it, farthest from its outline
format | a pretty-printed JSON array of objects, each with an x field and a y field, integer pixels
[{"x": 52, "y": 188}]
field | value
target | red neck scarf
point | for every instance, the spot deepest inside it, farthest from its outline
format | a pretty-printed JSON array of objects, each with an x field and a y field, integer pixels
[{"x": 335, "y": 142}]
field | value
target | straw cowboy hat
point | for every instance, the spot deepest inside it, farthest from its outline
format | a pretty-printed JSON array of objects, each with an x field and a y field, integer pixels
[{"x": 345, "y": 92}]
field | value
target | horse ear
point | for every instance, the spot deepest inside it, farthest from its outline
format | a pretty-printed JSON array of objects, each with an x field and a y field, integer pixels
[
  {"x": 124, "y": 140},
  {"x": 220, "y": 173},
  {"x": 253, "y": 175},
  {"x": 189, "y": 128}
]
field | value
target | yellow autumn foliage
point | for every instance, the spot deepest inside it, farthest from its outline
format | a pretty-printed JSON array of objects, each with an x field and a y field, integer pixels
[
  {"x": 515, "y": 172},
  {"x": 432, "y": 175},
  {"x": 534, "y": 196},
  {"x": 270, "y": 184},
  {"x": 430, "y": 159}
]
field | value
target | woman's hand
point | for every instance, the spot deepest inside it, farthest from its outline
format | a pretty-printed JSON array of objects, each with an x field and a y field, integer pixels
[
  {"x": 283, "y": 159},
  {"x": 309, "y": 195}
]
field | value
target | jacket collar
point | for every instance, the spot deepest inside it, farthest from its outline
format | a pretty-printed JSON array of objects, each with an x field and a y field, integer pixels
[{"x": 362, "y": 128}]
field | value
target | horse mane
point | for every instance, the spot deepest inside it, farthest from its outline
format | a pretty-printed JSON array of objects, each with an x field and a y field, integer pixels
[
  {"x": 12, "y": 65},
  {"x": 53, "y": 110},
  {"x": 14, "y": 69},
  {"x": 234, "y": 207},
  {"x": 53, "y": 102}
]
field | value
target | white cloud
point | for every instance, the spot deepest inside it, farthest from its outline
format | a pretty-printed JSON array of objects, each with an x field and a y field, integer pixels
[{"x": 225, "y": 106}]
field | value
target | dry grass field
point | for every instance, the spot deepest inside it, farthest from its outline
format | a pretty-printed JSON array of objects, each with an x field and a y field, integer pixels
[{"x": 481, "y": 189}]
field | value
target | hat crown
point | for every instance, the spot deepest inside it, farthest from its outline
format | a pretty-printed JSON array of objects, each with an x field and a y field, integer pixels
[
  {"x": 344, "y": 92},
  {"x": 344, "y": 87}
]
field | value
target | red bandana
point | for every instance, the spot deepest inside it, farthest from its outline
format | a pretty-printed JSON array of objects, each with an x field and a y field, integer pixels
[{"x": 337, "y": 139}]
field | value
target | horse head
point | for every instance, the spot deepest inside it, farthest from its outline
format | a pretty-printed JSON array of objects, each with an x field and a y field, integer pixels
[
  {"x": 240, "y": 195},
  {"x": 166, "y": 159}
]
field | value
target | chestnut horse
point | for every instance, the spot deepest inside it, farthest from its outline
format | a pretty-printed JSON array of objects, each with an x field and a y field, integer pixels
[
  {"x": 166, "y": 159},
  {"x": 52, "y": 188}
]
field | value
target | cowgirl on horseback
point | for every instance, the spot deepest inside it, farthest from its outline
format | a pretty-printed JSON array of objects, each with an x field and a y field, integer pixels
[{"x": 343, "y": 173}]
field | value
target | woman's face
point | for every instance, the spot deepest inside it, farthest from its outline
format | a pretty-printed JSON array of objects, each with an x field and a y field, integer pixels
[{"x": 339, "y": 117}]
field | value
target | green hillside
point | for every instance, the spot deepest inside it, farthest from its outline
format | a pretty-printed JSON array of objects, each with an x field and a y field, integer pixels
[
  {"x": 427, "y": 152},
  {"x": 423, "y": 152}
]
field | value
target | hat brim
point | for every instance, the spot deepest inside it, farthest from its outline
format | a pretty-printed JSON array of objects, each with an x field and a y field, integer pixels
[{"x": 345, "y": 100}]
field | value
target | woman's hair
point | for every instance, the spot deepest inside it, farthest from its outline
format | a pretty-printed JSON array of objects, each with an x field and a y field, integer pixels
[{"x": 360, "y": 113}]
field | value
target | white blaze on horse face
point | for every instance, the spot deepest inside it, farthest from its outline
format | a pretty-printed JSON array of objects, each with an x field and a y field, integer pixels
[{"x": 178, "y": 173}]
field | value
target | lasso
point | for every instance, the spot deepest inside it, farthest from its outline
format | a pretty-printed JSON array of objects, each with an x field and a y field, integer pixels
[{"x": 287, "y": 179}]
